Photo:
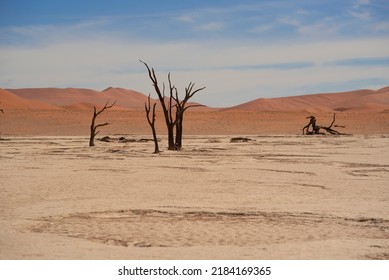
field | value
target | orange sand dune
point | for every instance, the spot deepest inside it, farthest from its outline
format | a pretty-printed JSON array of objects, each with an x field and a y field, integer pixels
[
  {"x": 79, "y": 99},
  {"x": 125, "y": 98},
  {"x": 384, "y": 89},
  {"x": 76, "y": 98},
  {"x": 324, "y": 102},
  {"x": 70, "y": 96},
  {"x": 367, "y": 108},
  {"x": 88, "y": 106},
  {"x": 11, "y": 101},
  {"x": 79, "y": 106},
  {"x": 376, "y": 100},
  {"x": 57, "y": 96},
  {"x": 362, "y": 112}
]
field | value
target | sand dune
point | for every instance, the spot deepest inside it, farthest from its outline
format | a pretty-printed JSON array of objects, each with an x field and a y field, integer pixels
[
  {"x": 57, "y": 96},
  {"x": 79, "y": 106},
  {"x": 324, "y": 102},
  {"x": 82, "y": 106},
  {"x": 352, "y": 101},
  {"x": 125, "y": 98},
  {"x": 73, "y": 96},
  {"x": 85, "y": 99},
  {"x": 11, "y": 101},
  {"x": 362, "y": 112}
]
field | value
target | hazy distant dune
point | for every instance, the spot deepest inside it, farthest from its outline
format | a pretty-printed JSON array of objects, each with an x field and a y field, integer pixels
[
  {"x": 358, "y": 100},
  {"x": 70, "y": 96},
  {"x": 324, "y": 102},
  {"x": 9, "y": 100}
]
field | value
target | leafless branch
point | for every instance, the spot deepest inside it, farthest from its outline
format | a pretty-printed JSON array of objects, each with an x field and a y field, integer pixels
[{"x": 93, "y": 126}]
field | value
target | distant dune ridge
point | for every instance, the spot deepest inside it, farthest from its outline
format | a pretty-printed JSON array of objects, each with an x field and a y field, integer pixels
[
  {"x": 9, "y": 100},
  {"x": 77, "y": 98},
  {"x": 365, "y": 100},
  {"x": 359, "y": 101}
]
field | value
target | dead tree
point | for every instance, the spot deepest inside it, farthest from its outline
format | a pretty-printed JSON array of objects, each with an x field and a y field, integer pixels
[
  {"x": 1, "y": 110},
  {"x": 93, "y": 126},
  {"x": 167, "y": 110},
  {"x": 181, "y": 108},
  {"x": 151, "y": 121},
  {"x": 333, "y": 131},
  {"x": 316, "y": 128},
  {"x": 174, "y": 110}
]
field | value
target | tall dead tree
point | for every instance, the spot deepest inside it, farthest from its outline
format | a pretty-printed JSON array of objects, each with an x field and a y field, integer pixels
[
  {"x": 1, "y": 110},
  {"x": 93, "y": 125},
  {"x": 151, "y": 121},
  {"x": 167, "y": 110},
  {"x": 174, "y": 110},
  {"x": 182, "y": 106}
]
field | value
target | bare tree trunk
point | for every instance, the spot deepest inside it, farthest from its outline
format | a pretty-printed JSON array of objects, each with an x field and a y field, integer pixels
[
  {"x": 167, "y": 111},
  {"x": 93, "y": 126},
  {"x": 179, "y": 131},
  {"x": 1, "y": 110},
  {"x": 181, "y": 108},
  {"x": 152, "y": 123}
]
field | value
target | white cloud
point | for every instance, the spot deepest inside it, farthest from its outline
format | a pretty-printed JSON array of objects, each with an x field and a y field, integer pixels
[
  {"x": 361, "y": 15},
  {"x": 381, "y": 27},
  {"x": 361, "y": 10},
  {"x": 186, "y": 18},
  {"x": 260, "y": 29},
  {"x": 212, "y": 26},
  {"x": 360, "y": 3},
  {"x": 303, "y": 12},
  {"x": 319, "y": 29},
  {"x": 288, "y": 20}
]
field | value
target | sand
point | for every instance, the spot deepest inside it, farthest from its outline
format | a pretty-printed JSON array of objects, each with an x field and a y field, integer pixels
[
  {"x": 133, "y": 122},
  {"x": 275, "y": 197}
]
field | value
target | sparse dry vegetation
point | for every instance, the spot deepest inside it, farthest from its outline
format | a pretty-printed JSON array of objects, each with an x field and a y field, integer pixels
[
  {"x": 315, "y": 129},
  {"x": 94, "y": 126},
  {"x": 173, "y": 107}
]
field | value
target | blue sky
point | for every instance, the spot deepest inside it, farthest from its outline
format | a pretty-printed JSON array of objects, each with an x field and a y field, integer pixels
[{"x": 240, "y": 50}]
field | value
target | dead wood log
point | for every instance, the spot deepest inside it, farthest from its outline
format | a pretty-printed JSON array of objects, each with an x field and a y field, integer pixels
[
  {"x": 312, "y": 123},
  {"x": 106, "y": 139},
  {"x": 240, "y": 139},
  {"x": 332, "y": 131},
  {"x": 316, "y": 128}
]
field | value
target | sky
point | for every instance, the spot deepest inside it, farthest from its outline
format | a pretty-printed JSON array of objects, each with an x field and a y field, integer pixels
[{"x": 239, "y": 50}]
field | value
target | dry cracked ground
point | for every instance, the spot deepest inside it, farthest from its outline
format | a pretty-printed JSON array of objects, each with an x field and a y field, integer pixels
[{"x": 271, "y": 197}]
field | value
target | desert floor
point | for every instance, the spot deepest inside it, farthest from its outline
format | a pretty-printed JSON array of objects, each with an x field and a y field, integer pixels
[
  {"x": 77, "y": 122},
  {"x": 275, "y": 197}
]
